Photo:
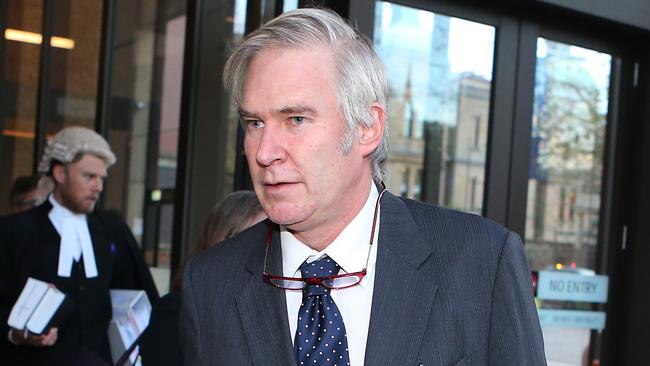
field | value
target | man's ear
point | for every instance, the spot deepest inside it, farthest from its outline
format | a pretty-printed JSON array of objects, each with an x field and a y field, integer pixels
[
  {"x": 58, "y": 173},
  {"x": 370, "y": 137}
]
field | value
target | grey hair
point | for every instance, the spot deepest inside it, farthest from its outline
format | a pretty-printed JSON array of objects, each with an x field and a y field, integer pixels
[
  {"x": 360, "y": 75},
  {"x": 66, "y": 146}
]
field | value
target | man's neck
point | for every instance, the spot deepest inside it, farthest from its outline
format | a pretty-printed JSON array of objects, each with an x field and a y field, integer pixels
[
  {"x": 57, "y": 198},
  {"x": 321, "y": 236}
]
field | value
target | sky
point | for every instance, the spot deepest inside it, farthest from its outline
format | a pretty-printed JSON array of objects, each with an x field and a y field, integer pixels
[{"x": 469, "y": 42}]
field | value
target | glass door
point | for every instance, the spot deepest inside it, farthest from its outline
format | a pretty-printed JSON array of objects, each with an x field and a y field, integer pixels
[
  {"x": 462, "y": 126},
  {"x": 73, "y": 65},
  {"x": 20, "y": 53},
  {"x": 440, "y": 81},
  {"x": 563, "y": 206}
]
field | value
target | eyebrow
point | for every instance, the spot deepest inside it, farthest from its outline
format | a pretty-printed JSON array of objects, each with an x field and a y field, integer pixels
[
  {"x": 243, "y": 113},
  {"x": 297, "y": 108},
  {"x": 95, "y": 175},
  {"x": 289, "y": 109}
]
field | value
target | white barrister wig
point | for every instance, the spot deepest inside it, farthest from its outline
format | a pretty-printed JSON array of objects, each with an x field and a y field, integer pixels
[{"x": 71, "y": 141}]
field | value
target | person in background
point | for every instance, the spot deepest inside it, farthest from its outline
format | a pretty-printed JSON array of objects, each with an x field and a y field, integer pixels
[
  {"x": 160, "y": 344},
  {"x": 26, "y": 193},
  {"x": 82, "y": 251},
  {"x": 344, "y": 272}
]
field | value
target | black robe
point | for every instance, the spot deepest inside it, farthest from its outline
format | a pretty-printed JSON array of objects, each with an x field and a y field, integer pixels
[{"x": 29, "y": 247}]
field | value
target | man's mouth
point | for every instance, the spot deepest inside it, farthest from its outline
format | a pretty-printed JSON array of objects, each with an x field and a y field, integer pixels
[{"x": 277, "y": 186}]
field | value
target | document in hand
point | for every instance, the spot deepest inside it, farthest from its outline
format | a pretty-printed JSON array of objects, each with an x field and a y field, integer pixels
[
  {"x": 40, "y": 306},
  {"x": 131, "y": 312}
]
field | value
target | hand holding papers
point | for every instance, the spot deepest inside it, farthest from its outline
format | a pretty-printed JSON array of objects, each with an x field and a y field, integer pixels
[
  {"x": 36, "y": 340},
  {"x": 40, "y": 307}
]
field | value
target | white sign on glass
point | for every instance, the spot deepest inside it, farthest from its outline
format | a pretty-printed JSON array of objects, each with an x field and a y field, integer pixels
[{"x": 572, "y": 287}]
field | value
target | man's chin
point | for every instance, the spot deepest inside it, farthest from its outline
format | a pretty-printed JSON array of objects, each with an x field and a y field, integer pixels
[
  {"x": 286, "y": 220},
  {"x": 287, "y": 213},
  {"x": 85, "y": 209}
]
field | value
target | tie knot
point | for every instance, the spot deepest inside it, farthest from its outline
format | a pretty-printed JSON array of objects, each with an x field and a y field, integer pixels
[{"x": 323, "y": 267}]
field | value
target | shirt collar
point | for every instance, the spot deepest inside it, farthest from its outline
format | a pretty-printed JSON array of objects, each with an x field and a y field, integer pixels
[
  {"x": 76, "y": 241},
  {"x": 349, "y": 249}
]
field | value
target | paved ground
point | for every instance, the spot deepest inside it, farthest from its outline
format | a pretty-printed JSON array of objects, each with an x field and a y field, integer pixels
[
  {"x": 565, "y": 346},
  {"x": 161, "y": 278}
]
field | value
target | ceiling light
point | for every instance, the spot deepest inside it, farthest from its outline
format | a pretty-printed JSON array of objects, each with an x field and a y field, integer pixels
[{"x": 37, "y": 38}]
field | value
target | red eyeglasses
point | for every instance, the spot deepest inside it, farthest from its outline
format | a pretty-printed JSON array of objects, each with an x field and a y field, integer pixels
[{"x": 339, "y": 281}]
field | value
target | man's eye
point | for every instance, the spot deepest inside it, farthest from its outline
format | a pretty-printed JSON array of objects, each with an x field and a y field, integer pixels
[
  {"x": 298, "y": 120},
  {"x": 255, "y": 123}
]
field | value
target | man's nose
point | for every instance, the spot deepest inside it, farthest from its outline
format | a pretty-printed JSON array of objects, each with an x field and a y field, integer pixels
[
  {"x": 270, "y": 147},
  {"x": 98, "y": 185}
]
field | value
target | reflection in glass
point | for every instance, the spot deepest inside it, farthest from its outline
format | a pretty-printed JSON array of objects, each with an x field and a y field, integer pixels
[
  {"x": 289, "y": 5},
  {"x": 566, "y": 160},
  {"x": 566, "y": 166},
  {"x": 128, "y": 133},
  {"x": 234, "y": 152},
  {"x": 170, "y": 101},
  {"x": 440, "y": 73},
  {"x": 146, "y": 87},
  {"x": 147, "y": 71},
  {"x": 19, "y": 88},
  {"x": 73, "y": 74}
]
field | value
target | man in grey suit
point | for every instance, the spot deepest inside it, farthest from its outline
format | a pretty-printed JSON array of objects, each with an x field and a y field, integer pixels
[{"x": 343, "y": 272}]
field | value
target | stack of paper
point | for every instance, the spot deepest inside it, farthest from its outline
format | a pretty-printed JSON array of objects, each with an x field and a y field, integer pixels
[
  {"x": 131, "y": 312},
  {"x": 38, "y": 307}
]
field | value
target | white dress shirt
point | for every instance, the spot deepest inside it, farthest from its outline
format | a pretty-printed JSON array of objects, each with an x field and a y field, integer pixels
[
  {"x": 75, "y": 239},
  {"x": 350, "y": 251}
]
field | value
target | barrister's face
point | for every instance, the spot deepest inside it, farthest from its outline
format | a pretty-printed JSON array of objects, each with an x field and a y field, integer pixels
[
  {"x": 294, "y": 132},
  {"x": 79, "y": 184}
]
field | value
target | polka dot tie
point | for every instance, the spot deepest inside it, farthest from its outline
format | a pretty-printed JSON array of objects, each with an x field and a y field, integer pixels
[{"x": 320, "y": 337}]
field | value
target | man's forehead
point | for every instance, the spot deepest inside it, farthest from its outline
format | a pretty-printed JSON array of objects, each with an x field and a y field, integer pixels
[
  {"x": 90, "y": 162},
  {"x": 298, "y": 62},
  {"x": 286, "y": 83}
]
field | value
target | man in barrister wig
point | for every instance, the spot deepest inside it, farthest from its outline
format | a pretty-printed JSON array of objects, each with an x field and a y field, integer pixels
[{"x": 66, "y": 242}]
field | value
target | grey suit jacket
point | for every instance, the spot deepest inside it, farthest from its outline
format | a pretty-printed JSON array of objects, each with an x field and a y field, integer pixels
[{"x": 450, "y": 289}]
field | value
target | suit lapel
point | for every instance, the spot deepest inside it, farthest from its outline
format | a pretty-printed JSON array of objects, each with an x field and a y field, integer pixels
[
  {"x": 46, "y": 231},
  {"x": 263, "y": 310},
  {"x": 403, "y": 295},
  {"x": 45, "y": 247}
]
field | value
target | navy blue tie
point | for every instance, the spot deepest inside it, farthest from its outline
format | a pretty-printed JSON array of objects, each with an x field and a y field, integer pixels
[{"x": 320, "y": 337}]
